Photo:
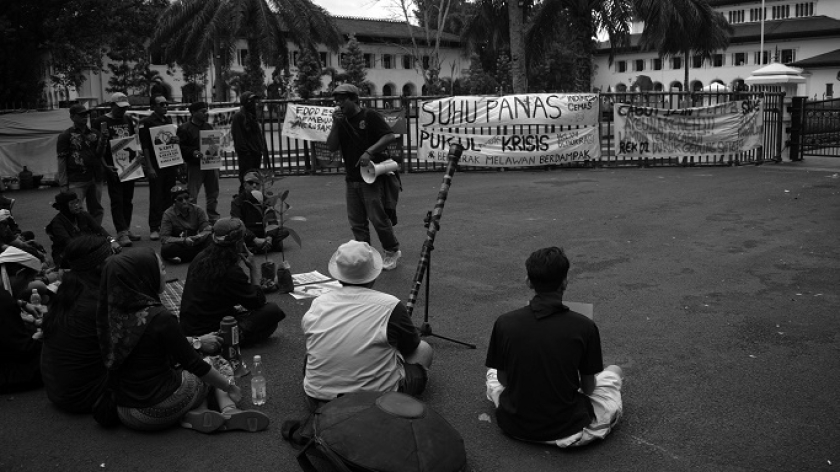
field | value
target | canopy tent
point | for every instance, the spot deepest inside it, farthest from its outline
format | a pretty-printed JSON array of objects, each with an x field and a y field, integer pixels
[
  {"x": 715, "y": 87},
  {"x": 29, "y": 139},
  {"x": 775, "y": 74}
]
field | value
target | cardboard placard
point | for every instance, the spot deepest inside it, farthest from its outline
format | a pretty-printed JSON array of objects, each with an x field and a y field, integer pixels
[
  {"x": 167, "y": 152},
  {"x": 211, "y": 149},
  {"x": 127, "y": 158}
]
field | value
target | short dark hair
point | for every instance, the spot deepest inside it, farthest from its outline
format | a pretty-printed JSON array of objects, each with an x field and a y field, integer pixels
[
  {"x": 547, "y": 268},
  {"x": 153, "y": 100}
]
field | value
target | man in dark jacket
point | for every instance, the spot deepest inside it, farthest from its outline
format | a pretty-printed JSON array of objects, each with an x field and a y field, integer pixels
[
  {"x": 160, "y": 179},
  {"x": 79, "y": 163},
  {"x": 189, "y": 134},
  {"x": 248, "y": 137}
]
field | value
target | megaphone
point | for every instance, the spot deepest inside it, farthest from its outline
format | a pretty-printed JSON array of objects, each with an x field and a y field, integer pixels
[{"x": 374, "y": 170}]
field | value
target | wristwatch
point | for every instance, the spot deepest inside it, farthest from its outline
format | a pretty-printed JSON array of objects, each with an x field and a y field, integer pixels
[{"x": 196, "y": 342}]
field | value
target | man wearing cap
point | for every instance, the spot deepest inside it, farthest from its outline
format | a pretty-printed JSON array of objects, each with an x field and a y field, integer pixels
[
  {"x": 160, "y": 179},
  {"x": 184, "y": 230},
  {"x": 359, "y": 339},
  {"x": 248, "y": 137},
  {"x": 79, "y": 151},
  {"x": 246, "y": 207},
  {"x": 189, "y": 134},
  {"x": 362, "y": 135},
  {"x": 113, "y": 125},
  {"x": 217, "y": 282}
]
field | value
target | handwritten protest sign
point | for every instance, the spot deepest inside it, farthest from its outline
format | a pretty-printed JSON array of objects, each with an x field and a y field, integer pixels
[
  {"x": 220, "y": 118},
  {"x": 127, "y": 153},
  {"x": 726, "y": 128},
  {"x": 309, "y": 122},
  {"x": 511, "y": 131},
  {"x": 210, "y": 146},
  {"x": 167, "y": 153}
]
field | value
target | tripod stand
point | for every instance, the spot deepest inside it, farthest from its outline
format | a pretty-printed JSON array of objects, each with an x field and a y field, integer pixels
[{"x": 432, "y": 224}]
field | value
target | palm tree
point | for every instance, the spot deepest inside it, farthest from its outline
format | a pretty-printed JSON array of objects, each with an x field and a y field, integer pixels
[
  {"x": 682, "y": 27},
  {"x": 192, "y": 30}
]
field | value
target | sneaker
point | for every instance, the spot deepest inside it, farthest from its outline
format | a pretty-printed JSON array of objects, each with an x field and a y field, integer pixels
[
  {"x": 123, "y": 240},
  {"x": 154, "y": 235},
  {"x": 390, "y": 260},
  {"x": 132, "y": 236},
  {"x": 205, "y": 421},
  {"x": 244, "y": 420}
]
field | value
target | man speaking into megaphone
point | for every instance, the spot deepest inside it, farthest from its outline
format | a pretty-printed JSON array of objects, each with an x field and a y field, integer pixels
[{"x": 362, "y": 135}]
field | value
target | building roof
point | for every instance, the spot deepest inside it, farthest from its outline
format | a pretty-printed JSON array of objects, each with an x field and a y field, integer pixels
[
  {"x": 384, "y": 30},
  {"x": 829, "y": 59},
  {"x": 792, "y": 28}
]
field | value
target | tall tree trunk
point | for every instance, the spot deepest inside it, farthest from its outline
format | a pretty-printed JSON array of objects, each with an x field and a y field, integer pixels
[
  {"x": 518, "y": 70},
  {"x": 583, "y": 59}
]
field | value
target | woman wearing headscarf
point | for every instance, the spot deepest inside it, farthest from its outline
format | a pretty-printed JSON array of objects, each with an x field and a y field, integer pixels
[
  {"x": 20, "y": 344},
  {"x": 71, "y": 365},
  {"x": 72, "y": 221},
  {"x": 140, "y": 340}
]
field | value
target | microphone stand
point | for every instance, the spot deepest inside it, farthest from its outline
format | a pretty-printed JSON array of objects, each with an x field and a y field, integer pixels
[{"x": 432, "y": 224}]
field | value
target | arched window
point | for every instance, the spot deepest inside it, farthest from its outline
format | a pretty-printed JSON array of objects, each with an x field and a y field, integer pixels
[
  {"x": 676, "y": 86},
  {"x": 657, "y": 86},
  {"x": 621, "y": 88},
  {"x": 409, "y": 89}
]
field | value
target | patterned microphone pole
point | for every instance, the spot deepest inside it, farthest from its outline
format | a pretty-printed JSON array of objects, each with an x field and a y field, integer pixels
[{"x": 455, "y": 151}]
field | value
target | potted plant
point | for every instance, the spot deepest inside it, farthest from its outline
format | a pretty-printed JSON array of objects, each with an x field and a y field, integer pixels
[{"x": 273, "y": 207}]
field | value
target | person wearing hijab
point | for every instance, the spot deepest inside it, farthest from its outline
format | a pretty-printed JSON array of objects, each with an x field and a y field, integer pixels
[
  {"x": 140, "y": 341},
  {"x": 71, "y": 365},
  {"x": 20, "y": 346},
  {"x": 72, "y": 221}
]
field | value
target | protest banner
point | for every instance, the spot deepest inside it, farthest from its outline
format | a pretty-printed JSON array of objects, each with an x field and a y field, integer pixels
[
  {"x": 726, "y": 128},
  {"x": 496, "y": 112},
  {"x": 220, "y": 118},
  {"x": 127, "y": 152},
  {"x": 308, "y": 122},
  {"x": 167, "y": 153},
  {"x": 210, "y": 146}
]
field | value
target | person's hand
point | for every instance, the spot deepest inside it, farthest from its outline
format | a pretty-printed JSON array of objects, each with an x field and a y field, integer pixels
[
  {"x": 197, "y": 154},
  {"x": 211, "y": 343},
  {"x": 174, "y": 140},
  {"x": 338, "y": 114},
  {"x": 267, "y": 243},
  {"x": 115, "y": 247},
  {"x": 364, "y": 160},
  {"x": 235, "y": 393},
  {"x": 151, "y": 174},
  {"x": 189, "y": 240}
]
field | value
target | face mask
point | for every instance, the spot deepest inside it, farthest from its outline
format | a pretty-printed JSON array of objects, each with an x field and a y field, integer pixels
[{"x": 258, "y": 195}]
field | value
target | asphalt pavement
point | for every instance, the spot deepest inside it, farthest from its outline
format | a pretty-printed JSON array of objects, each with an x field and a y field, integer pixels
[{"x": 717, "y": 289}]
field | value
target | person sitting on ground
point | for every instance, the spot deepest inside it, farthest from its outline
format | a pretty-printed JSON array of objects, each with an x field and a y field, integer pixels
[
  {"x": 71, "y": 221},
  {"x": 20, "y": 345},
  {"x": 359, "y": 339},
  {"x": 185, "y": 230},
  {"x": 216, "y": 283},
  {"x": 71, "y": 365},
  {"x": 139, "y": 341},
  {"x": 545, "y": 372},
  {"x": 11, "y": 235},
  {"x": 245, "y": 206}
]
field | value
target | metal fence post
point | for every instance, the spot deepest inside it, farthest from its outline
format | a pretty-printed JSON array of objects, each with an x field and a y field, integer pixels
[{"x": 796, "y": 118}]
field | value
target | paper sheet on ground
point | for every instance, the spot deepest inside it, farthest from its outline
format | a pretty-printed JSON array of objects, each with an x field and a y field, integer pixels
[
  {"x": 309, "y": 278},
  {"x": 314, "y": 290}
]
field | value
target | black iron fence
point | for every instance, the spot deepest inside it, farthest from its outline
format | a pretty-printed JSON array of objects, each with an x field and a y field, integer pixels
[
  {"x": 295, "y": 157},
  {"x": 815, "y": 128}
]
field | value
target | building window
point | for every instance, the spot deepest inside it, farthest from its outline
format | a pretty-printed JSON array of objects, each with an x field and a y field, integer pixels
[
  {"x": 676, "y": 63},
  {"x": 426, "y": 62},
  {"x": 788, "y": 56},
  {"x": 780, "y": 12},
  {"x": 639, "y": 64},
  {"x": 621, "y": 66},
  {"x": 829, "y": 90},
  {"x": 736, "y": 16},
  {"x": 657, "y": 63},
  {"x": 322, "y": 56},
  {"x": 407, "y": 62},
  {"x": 368, "y": 61},
  {"x": 241, "y": 56},
  {"x": 739, "y": 59},
  {"x": 156, "y": 57},
  {"x": 696, "y": 62},
  {"x": 387, "y": 61},
  {"x": 717, "y": 60},
  {"x": 755, "y": 14},
  {"x": 295, "y": 55},
  {"x": 341, "y": 58},
  {"x": 759, "y": 60},
  {"x": 804, "y": 9}
]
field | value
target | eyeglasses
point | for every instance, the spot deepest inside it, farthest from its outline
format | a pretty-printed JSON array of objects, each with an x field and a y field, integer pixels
[{"x": 182, "y": 199}]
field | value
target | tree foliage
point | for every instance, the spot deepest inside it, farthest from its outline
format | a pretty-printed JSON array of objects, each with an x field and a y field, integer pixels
[
  {"x": 308, "y": 79},
  {"x": 353, "y": 63}
]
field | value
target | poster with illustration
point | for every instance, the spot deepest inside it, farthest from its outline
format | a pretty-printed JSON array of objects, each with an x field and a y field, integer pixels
[
  {"x": 127, "y": 153},
  {"x": 167, "y": 152},
  {"x": 211, "y": 149}
]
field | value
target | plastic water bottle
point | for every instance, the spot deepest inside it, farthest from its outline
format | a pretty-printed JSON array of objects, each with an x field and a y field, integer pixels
[
  {"x": 35, "y": 301},
  {"x": 258, "y": 393}
]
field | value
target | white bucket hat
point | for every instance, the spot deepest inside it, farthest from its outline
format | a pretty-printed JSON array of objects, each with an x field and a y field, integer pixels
[{"x": 355, "y": 262}]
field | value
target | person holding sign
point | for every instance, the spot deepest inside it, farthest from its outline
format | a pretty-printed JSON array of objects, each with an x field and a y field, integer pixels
[
  {"x": 362, "y": 135},
  {"x": 184, "y": 230},
  {"x": 116, "y": 125},
  {"x": 79, "y": 163},
  {"x": 191, "y": 141},
  {"x": 161, "y": 179},
  {"x": 545, "y": 371},
  {"x": 248, "y": 137}
]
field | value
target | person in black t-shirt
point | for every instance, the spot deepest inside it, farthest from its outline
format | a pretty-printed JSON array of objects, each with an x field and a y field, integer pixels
[{"x": 545, "y": 370}]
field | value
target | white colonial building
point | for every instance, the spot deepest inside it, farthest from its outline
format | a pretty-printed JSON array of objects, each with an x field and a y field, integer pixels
[
  {"x": 797, "y": 33},
  {"x": 387, "y": 49}
]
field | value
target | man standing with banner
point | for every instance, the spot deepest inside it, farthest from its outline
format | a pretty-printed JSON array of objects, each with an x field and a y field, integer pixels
[
  {"x": 362, "y": 135},
  {"x": 161, "y": 178},
  {"x": 248, "y": 137},
  {"x": 190, "y": 136},
  {"x": 111, "y": 126}
]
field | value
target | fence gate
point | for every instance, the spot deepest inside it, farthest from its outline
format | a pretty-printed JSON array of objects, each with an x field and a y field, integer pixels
[{"x": 819, "y": 129}]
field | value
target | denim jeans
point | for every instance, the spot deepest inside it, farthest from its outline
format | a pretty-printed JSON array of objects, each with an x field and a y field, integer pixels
[
  {"x": 210, "y": 180},
  {"x": 364, "y": 202},
  {"x": 90, "y": 194}
]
